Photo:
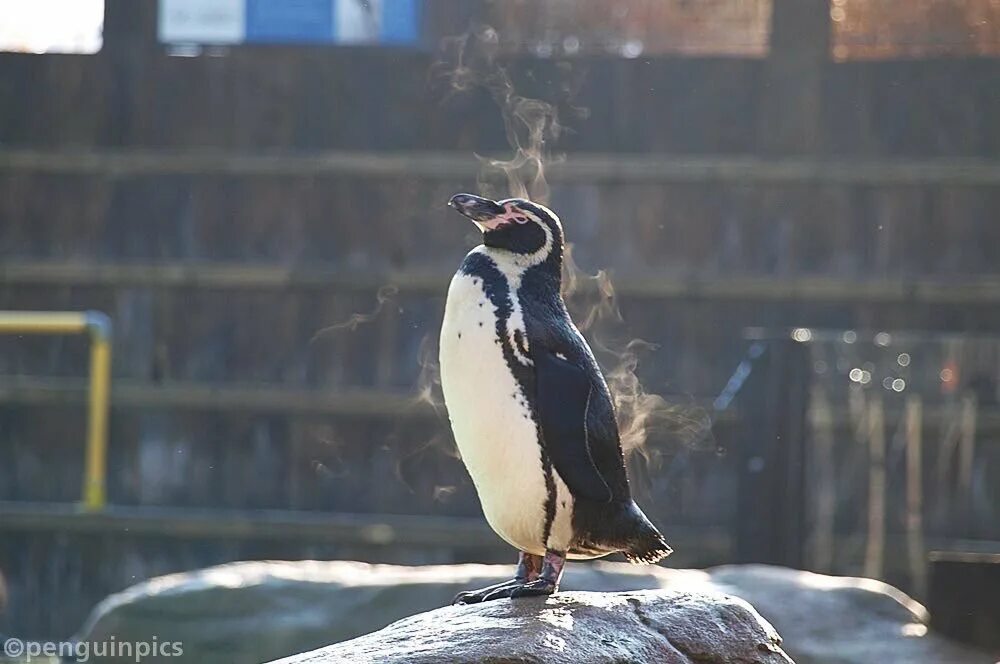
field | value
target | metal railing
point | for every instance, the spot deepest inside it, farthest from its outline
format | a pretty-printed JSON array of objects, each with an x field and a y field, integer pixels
[{"x": 98, "y": 326}]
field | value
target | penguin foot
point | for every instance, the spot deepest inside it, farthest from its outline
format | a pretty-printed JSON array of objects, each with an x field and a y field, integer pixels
[
  {"x": 513, "y": 589},
  {"x": 534, "y": 588},
  {"x": 528, "y": 568}
]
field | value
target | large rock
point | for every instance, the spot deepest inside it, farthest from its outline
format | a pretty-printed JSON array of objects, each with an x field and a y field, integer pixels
[
  {"x": 842, "y": 620},
  {"x": 258, "y": 611},
  {"x": 662, "y": 626}
]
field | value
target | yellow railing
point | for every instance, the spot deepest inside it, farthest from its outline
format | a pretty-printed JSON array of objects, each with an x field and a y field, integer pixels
[{"x": 98, "y": 326}]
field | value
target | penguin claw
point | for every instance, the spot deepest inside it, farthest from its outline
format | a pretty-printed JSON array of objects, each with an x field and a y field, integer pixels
[{"x": 467, "y": 597}]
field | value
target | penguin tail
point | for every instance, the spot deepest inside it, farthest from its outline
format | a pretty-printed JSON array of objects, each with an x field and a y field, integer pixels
[
  {"x": 647, "y": 549},
  {"x": 646, "y": 545}
]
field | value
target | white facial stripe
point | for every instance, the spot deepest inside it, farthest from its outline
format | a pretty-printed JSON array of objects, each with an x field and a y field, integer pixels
[
  {"x": 539, "y": 256},
  {"x": 550, "y": 213},
  {"x": 530, "y": 215}
]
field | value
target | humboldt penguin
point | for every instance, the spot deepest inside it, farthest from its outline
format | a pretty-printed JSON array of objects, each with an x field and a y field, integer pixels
[{"x": 529, "y": 406}]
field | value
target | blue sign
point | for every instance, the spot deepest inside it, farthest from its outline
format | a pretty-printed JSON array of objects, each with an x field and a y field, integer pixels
[
  {"x": 395, "y": 22},
  {"x": 289, "y": 21},
  {"x": 400, "y": 22}
]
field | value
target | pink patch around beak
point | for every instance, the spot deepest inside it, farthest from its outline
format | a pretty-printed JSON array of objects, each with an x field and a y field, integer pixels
[{"x": 509, "y": 216}]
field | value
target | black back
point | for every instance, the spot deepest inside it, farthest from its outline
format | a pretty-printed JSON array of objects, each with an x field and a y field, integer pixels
[{"x": 572, "y": 401}]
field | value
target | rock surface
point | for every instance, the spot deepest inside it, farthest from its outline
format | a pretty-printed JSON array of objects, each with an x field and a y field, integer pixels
[
  {"x": 842, "y": 620},
  {"x": 663, "y": 626},
  {"x": 258, "y": 611}
]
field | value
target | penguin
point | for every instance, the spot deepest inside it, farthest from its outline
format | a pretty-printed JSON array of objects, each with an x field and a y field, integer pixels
[{"x": 530, "y": 410}]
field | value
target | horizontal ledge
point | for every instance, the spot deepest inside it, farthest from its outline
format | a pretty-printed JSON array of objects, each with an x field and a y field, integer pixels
[
  {"x": 220, "y": 275},
  {"x": 339, "y": 528},
  {"x": 200, "y": 396},
  {"x": 379, "y": 529},
  {"x": 465, "y": 166},
  {"x": 125, "y": 393},
  {"x": 335, "y": 527},
  {"x": 355, "y": 402},
  {"x": 217, "y": 275},
  {"x": 30, "y": 390}
]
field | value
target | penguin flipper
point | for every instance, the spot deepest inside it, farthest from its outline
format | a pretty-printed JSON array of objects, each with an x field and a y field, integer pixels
[{"x": 563, "y": 396}]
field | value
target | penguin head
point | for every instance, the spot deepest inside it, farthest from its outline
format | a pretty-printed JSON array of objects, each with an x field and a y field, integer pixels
[{"x": 516, "y": 225}]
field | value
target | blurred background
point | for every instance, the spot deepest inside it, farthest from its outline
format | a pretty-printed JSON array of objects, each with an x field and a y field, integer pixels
[{"x": 796, "y": 202}]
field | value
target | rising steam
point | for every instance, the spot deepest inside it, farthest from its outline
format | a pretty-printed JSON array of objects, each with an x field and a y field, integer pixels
[
  {"x": 429, "y": 381},
  {"x": 470, "y": 62},
  {"x": 592, "y": 303},
  {"x": 385, "y": 295}
]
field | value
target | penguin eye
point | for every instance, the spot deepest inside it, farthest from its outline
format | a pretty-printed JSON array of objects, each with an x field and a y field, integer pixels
[{"x": 521, "y": 220}]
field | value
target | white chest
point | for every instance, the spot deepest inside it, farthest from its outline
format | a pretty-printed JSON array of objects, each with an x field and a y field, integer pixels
[{"x": 490, "y": 417}]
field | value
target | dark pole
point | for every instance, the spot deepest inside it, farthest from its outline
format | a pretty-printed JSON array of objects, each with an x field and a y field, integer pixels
[
  {"x": 130, "y": 45},
  {"x": 791, "y": 108},
  {"x": 771, "y": 456}
]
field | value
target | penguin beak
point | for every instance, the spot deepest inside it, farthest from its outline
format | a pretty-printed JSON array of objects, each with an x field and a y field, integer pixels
[{"x": 482, "y": 211}]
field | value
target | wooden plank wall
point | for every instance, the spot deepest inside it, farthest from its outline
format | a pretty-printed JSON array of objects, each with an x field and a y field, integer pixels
[{"x": 221, "y": 280}]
